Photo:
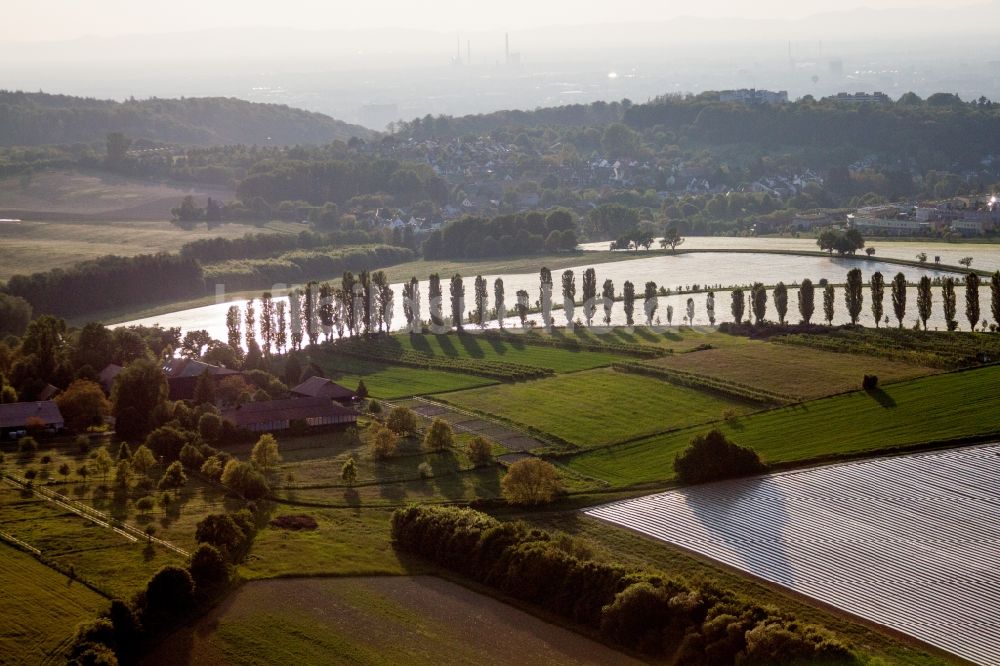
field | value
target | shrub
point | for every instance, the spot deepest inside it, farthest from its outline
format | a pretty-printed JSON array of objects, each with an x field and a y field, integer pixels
[
  {"x": 27, "y": 446},
  {"x": 245, "y": 480},
  {"x": 690, "y": 623},
  {"x": 869, "y": 382},
  {"x": 209, "y": 569},
  {"x": 530, "y": 481},
  {"x": 439, "y": 436},
  {"x": 191, "y": 457},
  {"x": 296, "y": 523},
  {"x": 425, "y": 471},
  {"x": 384, "y": 442},
  {"x": 401, "y": 420},
  {"x": 169, "y": 594},
  {"x": 713, "y": 456},
  {"x": 145, "y": 504},
  {"x": 480, "y": 452}
]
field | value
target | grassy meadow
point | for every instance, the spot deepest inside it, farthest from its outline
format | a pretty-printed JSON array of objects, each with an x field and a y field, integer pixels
[
  {"x": 937, "y": 408},
  {"x": 41, "y": 607},
  {"x": 597, "y": 407},
  {"x": 798, "y": 371}
]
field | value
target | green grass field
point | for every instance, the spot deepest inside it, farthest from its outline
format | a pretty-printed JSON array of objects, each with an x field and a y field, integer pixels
[
  {"x": 680, "y": 339},
  {"x": 41, "y": 608},
  {"x": 481, "y": 347},
  {"x": 596, "y": 407},
  {"x": 393, "y": 381},
  {"x": 799, "y": 371},
  {"x": 937, "y": 408}
]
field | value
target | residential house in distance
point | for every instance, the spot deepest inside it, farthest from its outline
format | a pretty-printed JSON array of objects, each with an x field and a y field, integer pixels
[
  {"x": 320, "y": 387},
  {"x": 15, "y": 417},
  {"x": 862, "y": 98},
  {"x": 182, "y": 376},
  {"x": 754, "y": 96},
  {"x": 273, "y": 415},
  {"x": 107, "y": 376}
]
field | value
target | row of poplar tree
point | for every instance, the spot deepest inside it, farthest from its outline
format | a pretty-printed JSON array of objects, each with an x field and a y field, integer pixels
[{"x": 364, "y": 304}]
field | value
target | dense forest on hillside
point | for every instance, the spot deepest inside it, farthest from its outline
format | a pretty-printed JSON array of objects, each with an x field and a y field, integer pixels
[{"x": 32, "y": 119}]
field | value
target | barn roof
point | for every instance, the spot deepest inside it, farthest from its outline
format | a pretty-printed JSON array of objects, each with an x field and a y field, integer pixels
[
  {"x": 321, "y": 387},
  {"x": 288, "y": 409},
  {"x": 17, "y": 414}
]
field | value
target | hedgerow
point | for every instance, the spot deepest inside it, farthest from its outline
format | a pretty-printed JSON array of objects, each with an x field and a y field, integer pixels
[
  {"x": 373, "y": 350},
  {"x": 723, "y": 387},
  {"x": 647, "y": 611}
]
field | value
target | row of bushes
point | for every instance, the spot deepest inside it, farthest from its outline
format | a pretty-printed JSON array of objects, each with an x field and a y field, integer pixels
[
  {"x": 937, "y": 349},
  {"x": 300, "y": 266},
  {"x": 724, "y": 387},
  {"x": 372, "y": 350},
  {"x": 686, "y": 623},
  {"x": 127, "y": 629},
  {"x": 576, "y": 344}
]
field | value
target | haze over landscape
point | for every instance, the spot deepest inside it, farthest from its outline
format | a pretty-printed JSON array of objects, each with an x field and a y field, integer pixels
[{"x": 521, "y": 333}]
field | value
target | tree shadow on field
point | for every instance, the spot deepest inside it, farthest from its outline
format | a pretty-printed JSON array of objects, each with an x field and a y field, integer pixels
[
  {"x": 881, "y": 397},
  {"x": 498, "y": 345},
  {"x": 353, "y": 499},
  {"x": 420, "y": 344},
  {"x": 471, "y": 344},
  {"x": 446, "y": 345},
  {"x": 646, "y": 334}
]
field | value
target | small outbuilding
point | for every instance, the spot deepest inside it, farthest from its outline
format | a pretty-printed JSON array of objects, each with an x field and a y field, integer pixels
[{"x": 321, "y": 387}]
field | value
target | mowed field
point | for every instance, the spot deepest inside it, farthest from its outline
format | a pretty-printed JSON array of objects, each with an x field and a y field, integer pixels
[
  {"x": 485, "y": 348},
  {"x": 937, "y": 408},
  {"x": 41, "y": 608},
  {"x": 799, "y": 371},
  {"x": 597, "y": 407},
  {"x": 81, "y": 195},
  {"x": 32, "y": 246},
  {"x": 384, "y": 620},
  {"x": 390, "y": 382}
]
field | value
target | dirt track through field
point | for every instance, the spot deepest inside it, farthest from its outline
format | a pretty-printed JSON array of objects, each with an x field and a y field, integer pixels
[{"x": 392, "y": 619}]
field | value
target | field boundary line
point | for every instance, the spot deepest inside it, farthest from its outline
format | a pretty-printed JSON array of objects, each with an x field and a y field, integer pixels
[
  {"x": 132, "y": 534},
  {"x": 14, "y": 541}
]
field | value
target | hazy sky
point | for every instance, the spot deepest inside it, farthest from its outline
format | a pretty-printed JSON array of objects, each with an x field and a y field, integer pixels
[{"x": 43, "y": 20}]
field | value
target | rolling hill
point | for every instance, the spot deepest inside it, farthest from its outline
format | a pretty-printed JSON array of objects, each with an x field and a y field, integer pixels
[{"x": 32, "y": 119}]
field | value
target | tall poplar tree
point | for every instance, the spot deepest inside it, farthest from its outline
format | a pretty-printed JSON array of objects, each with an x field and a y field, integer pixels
[
  {"x": 877, "y": 284},
  {"x": 925, "y": 300},
  {"x": 780, "y": 296},
  {"x": 854, "y": 294},
  {"x": 899, "y": 297},
  {"x": 972, "y": 300},
  {"x": 807, "y": 300},
  {"x": 589, "y": 295},
  {"x": 457, "y": 301},
  {"x": 628, "y": 296}
]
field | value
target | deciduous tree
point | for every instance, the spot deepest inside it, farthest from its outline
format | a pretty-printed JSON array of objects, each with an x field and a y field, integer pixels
[
  {"x": 457, "y": 301},
  {"x": 531, "y": 481},
  {"x": 265, "y": 455},
  {"x": 589, "y": 295},
  {"x": 83, "y": 405},
  {"x": 482, "y": 301},
  {"x": 439, "y": 436}
]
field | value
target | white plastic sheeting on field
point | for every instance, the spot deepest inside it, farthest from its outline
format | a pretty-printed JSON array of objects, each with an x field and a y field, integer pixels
[{"x": 910, "y": 542}]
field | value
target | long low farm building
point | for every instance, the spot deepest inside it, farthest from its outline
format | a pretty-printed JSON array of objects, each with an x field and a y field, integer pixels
[
  {"x": 281, "y": 414},
  {"x": 16, "y": 418}
]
